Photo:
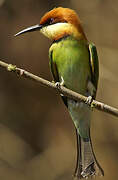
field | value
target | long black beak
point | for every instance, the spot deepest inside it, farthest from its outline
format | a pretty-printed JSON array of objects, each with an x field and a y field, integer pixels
[{"x": 29, "y": 29}]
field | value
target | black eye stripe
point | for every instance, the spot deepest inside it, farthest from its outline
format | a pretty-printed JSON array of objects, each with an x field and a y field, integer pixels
[{"x": 52, "y": 21}]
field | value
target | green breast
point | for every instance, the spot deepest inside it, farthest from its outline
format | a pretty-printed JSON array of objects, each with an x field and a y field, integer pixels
[{"x": 72, "y": 61}]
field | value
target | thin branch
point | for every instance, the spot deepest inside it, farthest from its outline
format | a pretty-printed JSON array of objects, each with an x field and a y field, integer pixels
[{"x": 61, "y": 89}]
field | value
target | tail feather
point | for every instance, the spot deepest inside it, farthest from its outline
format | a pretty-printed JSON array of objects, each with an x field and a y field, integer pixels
[
  {"x": 78, "y": 168},
  {"x": 87, "y": 164}
]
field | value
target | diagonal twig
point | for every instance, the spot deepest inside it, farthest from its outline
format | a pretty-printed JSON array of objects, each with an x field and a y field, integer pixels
[{"x": 67, "y": 92}]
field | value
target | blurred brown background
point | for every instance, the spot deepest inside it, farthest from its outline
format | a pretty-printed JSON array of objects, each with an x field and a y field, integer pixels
[{"x": 37, "y": 137}]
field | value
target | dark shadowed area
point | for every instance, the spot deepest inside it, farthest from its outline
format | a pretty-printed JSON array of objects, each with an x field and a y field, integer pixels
[{"x": 37, "y": 137}]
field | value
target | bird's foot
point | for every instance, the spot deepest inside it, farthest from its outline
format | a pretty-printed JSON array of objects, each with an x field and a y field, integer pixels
[
  {"x": 59, "y": 84},
  {"x": 89, "y": 102}
]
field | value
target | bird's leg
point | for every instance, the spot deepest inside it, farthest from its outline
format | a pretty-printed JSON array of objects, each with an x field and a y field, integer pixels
[
  {"x": 91, "y": 92},
  {"x": 59, "y": 84},
  {"x": 89, "y": 100}
]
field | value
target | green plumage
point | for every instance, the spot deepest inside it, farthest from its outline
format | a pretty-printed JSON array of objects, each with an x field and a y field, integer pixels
[
  {"x": 75, "y": 63},
  {"x": 72, "y": 61}
]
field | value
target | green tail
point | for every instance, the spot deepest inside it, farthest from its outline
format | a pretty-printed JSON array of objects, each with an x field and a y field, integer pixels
[{"x": 87, "y": 164}]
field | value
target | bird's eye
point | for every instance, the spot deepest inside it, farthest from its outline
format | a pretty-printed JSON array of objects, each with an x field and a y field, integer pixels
[{"x": 51, "y": 21}]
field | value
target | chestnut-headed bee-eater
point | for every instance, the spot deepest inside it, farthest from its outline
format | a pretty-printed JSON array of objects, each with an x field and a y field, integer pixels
[{"x": 74, "y": 64}]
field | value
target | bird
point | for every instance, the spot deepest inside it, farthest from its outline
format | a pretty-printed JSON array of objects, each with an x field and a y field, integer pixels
[{"x": 73, "y": 61}]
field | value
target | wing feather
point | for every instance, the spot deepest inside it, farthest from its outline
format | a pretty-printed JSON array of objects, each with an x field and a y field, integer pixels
[{"x": 94, "y": 65}]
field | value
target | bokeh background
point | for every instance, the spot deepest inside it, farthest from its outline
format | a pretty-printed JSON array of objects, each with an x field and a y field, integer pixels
[{"x": 37, "y": 137}]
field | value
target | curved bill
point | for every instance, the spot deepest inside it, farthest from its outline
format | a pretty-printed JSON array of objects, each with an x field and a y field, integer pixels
[{"x": 29, "y": 29}]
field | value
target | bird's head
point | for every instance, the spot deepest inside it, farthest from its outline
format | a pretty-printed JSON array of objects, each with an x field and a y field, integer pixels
[{"x": 58, "y": 23}]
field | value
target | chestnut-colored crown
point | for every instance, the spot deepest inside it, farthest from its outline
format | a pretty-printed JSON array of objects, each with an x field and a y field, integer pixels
[{"x": 61, "y": 14}]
